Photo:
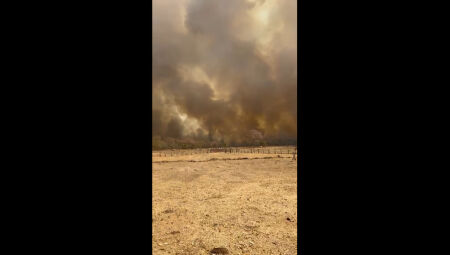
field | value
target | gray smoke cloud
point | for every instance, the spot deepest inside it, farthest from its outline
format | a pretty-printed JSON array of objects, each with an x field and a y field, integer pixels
[{"x": 224, "y": 68}]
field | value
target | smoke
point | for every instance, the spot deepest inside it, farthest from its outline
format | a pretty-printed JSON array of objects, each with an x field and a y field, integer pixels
[{"x": 222, "y": 68}]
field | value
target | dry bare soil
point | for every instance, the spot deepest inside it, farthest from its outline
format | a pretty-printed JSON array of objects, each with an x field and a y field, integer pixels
[{"x": 245, "y": 203}]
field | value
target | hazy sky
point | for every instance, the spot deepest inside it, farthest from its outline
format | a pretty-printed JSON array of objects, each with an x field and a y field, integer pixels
[{"x": 224, "y": 67}]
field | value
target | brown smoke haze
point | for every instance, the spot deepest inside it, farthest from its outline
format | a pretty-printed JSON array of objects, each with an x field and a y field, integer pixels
[{"x": 225, "y": 70}]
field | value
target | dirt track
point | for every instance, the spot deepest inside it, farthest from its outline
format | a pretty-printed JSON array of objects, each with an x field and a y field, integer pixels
[{"x": 246, "y": 206}]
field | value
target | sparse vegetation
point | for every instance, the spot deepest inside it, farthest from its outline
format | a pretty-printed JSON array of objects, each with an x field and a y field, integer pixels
[
  {"x": 159, "y": 143},
  {"x": 241, "y": 203}
]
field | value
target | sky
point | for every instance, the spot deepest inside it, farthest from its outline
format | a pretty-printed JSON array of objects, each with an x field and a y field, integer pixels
[{"x": 224, "y": 68}]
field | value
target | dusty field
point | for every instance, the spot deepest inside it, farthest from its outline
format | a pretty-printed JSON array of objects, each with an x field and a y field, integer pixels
[{"x": 246, "y": 203}]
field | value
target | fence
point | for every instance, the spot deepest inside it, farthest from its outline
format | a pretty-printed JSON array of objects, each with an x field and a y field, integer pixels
[{"x": 255, "y": 150}]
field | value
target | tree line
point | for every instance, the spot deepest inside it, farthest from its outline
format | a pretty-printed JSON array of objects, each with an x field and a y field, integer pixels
[{"x": 163, "y": 143}]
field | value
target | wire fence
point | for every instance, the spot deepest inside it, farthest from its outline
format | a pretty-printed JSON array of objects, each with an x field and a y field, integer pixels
[{"x": 256, "y": 150}]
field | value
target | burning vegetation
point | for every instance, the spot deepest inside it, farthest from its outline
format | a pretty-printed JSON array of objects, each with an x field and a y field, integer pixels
[{"x": 224, "y": 73}]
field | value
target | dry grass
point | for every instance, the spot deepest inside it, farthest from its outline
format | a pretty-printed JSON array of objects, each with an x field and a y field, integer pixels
[{"x": 248, "y": 206}]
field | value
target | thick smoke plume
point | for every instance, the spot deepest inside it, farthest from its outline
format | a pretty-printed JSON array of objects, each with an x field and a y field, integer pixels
[{"x": 224, "y": 70}]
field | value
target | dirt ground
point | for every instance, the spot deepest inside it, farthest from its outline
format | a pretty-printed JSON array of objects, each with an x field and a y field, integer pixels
[{"x": 245, "y": 203}]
